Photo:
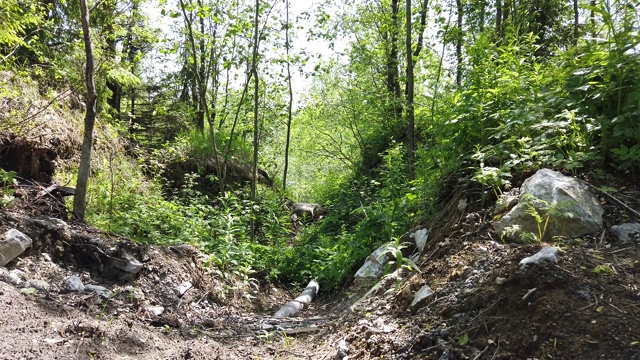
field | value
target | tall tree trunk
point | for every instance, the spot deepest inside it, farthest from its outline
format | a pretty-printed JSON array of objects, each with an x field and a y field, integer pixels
[
  {"x": 254, "y": 70},
  {"x": 483, "y": 9},
  {"x": 79, "y": 200},
  {"x": 576, "y": 22},
  {"x": 498, "y": 16},
  {"x": 393, "y": 73},
  {"x": 201, "y": 70},
  {"x": 423, "y": 26},
  {"x": 459, "y": 44},
  {"x": 411, "y": 143},
  {"x": 592, "y": 17},
  {"x": 290, "y": 105}
]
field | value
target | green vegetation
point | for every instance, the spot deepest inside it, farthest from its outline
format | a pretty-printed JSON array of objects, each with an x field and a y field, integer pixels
[{"x": 500, "y": 91}]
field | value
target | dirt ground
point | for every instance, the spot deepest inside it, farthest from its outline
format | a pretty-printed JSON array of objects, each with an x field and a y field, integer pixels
[{"x": 484, "y": 306}]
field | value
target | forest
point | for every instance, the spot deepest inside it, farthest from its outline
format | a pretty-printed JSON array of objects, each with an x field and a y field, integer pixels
[{"x": 213, "y": 118}]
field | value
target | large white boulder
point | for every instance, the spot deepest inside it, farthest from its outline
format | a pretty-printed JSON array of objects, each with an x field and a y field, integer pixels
[
  {"x": 564, "y": 203},
  {"x": 12, "y": 243}
]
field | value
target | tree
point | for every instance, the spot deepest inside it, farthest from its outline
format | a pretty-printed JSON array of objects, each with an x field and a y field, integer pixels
[
  {"x": 79, "y": 200},
  {"x": 410, "y": 106},
  {"x": 290, "y": 105},
  {"x": 198, "y": 63},
  {"x": 256, "y": 130}
]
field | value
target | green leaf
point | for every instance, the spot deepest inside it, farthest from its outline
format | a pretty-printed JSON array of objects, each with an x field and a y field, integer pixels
[{"x": 464, "y": 339}]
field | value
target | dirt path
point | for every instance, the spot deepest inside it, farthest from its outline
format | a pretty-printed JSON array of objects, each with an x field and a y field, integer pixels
[{"x": 587, "y": 306}]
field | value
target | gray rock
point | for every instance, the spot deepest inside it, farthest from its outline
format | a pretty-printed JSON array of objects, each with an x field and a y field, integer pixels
[
  {"x": 20, "y": 274},
  {"x": 626, "y": 231},
  {"x": 548, "y": 253},
  {"x": 500, "y": 280},
  {"x": 446, "y": 355},
  {"x": 10, "y": 277},
  {"x": 421, "y": 296},
  {"x": 155, "y": 310},
  {"x": 128, "y": 263},
  {"x": 40, "y": 285},
  {"x": 420, "y": 237},
  {"x": 343, "y": 350},
  {"x": 52, "y": 224},
  {"x": 578, "y": 211},
  {"x": 74, "y": 283},
  {"x": 186, "y": 285},
  {"x": 101, "y": 291},
  {"x": 373, "y": 267},
  {"x": 12, "y": 244},
  {"x": 307, "y": 211},
  {"x": 462, "y": 205}
]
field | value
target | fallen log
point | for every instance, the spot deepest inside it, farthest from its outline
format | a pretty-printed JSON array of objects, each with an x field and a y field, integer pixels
[{"x": 294, "y": 306}]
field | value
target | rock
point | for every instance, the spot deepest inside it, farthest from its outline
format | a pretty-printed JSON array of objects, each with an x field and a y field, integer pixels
[
  {"x": 373, "y": 267},
  {"x": 101, "y": 291},
  {"x": 505, "y": 202},
  {"x": 548, "y": 253},
  {"x": 12, "y": 244},
  {"x": 52, "y": 224},
  {"x": 462, "y": 205},
  {"x": 45, "y": 257},
  {"x": 134, "y": 293},
  {"x": 155, "y": 310},
  {"x": 420, "y": 237},
  {"x": 128, "y": 263},
  {"x": 184, "y": 287},
  {"x": 627, "y": 231},
  {"x": 577, "y": 211},
  {"x": 385, "y": 283},
  {"x": 500, "y": 280},
  {"x": 446, "y": 355},
  {"x": 421, "y": 296},
  {"x": 311, "y": 212},
  {"x": 74, "y": 283},
  {"x": 40, "y": 285},
  {"x": 343, "y": 350}
]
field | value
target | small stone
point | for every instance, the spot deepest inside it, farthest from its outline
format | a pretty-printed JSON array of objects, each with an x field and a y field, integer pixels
[
  {"x": 101, "y": 291},
  {"x": 155, "y": 310},
  {"x": 45, "y": 257},
  {"x": 15, "y": 279},
  {"x": 627, "y": 231},
  {"x": 184, "y": 287},
  {"x": 423, "y": 294},
  {"x": 74, "y": 283},
  {"x": 548, "y": 253},
  {"x": 420, "y": 237},
  {"x": 39, "y": 285},
  {"x": 343, "y": 350},
  {"x": 500, "y": 280}
]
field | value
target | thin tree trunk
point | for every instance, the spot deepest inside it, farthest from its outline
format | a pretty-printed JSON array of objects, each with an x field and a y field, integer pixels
[
  {"x": 592, "y": 17},
  {"x": 79, "y": 200},
  {"x": 498, "y": 15},
  {"x": 289, "y": 114},
  {"x": 202, "y": 91},
  {"x": 410, "y": 109},
  {"x": 254, "y": 70},
  {"x": 483, "y": 8},
  {"x": 576, "y": 23},
  {"x": 423, "y": 25},
  {"x": 459, "y": 44},
  {"x": 393, "y": 76}
]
